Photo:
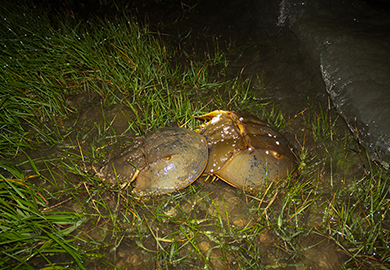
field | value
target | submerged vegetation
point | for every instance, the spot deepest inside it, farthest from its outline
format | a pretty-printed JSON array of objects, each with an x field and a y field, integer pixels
[{"x": 73, "y": 91}]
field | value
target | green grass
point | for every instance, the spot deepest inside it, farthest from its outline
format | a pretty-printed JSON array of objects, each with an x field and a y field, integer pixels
[
  {"x": 120, "y": 61},
  {"x": 360, "y": 226},
  {"x": 30, "y": 229},
  {"x": 73, "y": 92}
]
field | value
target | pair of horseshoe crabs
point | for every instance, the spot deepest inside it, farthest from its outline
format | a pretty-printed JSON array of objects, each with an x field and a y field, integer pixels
[{"x": 241, "y": 150}]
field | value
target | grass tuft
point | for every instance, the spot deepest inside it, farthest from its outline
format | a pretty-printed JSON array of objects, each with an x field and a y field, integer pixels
[{"x": 30, "y": 229}]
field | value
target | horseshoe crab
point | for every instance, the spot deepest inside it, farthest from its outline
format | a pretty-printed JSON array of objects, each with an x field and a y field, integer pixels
[
  {"x": 244, "y": 151},
  {"x": 164, "y": 161}
]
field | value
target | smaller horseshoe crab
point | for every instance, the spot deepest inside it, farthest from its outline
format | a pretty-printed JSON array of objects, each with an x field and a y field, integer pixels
[
  {"x": 164, "y": 161},
  {"x": 244, "y": 151}
]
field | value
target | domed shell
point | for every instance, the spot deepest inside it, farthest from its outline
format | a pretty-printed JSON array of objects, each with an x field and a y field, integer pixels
[
  {"x": 164, "y": 161},
  {"x": 244, "y": 151}
]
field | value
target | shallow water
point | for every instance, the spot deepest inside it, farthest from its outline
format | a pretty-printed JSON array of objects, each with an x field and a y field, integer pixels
[{"x": 211, "y": 224}]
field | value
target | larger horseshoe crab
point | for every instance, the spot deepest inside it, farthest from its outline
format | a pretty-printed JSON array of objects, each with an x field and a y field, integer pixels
[
  {"x": 164, "y": 161},
  {"x": 244, "y": 151}
]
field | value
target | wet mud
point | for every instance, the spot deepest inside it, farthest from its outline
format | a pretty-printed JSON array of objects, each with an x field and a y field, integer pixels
[{"x": 210, "y": 224}]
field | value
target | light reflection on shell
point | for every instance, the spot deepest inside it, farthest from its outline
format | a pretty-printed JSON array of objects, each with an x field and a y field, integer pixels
[
  {"x": 168, "y": 159},
  {"x": 244, "y": 151}
]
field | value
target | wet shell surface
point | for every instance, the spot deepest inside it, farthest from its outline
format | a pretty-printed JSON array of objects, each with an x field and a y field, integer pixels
[
  {"x": 244, "y": 151},
  {"x": 164, "y": 161}
]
